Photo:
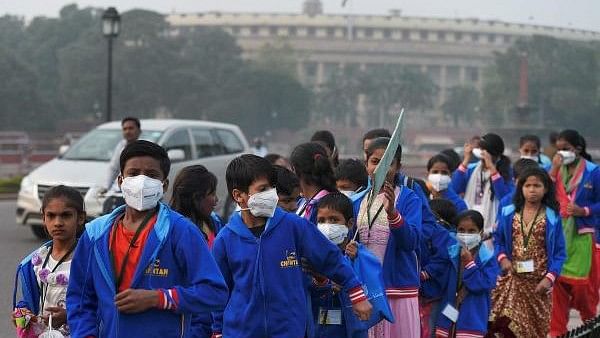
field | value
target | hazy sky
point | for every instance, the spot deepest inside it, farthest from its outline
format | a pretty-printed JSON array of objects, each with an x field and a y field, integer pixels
[{"x": 567, "y": 13}]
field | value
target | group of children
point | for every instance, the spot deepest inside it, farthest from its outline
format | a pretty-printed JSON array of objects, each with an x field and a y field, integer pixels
[{"x": 478, "y": 248}]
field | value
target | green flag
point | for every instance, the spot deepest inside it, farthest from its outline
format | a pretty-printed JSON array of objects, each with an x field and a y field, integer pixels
[{"x": 386, "y": 161}]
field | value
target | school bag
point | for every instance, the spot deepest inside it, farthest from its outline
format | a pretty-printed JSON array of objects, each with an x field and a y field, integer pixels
[{"x": 370, "y": 272}]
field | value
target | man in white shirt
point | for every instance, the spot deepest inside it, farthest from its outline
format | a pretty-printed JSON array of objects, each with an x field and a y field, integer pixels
[{"x": 131, "y": 132}]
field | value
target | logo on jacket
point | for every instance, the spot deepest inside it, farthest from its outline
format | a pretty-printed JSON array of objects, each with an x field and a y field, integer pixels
[
  {"x": 155, "y": 270},
  {"x": 290, "y": 261}
]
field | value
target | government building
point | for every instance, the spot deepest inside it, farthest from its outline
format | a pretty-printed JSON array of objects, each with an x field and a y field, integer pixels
[{"x": 451, "y": 51}]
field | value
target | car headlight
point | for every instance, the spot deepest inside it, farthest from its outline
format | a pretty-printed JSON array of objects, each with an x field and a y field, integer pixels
[{"x": 27, "y": 185}]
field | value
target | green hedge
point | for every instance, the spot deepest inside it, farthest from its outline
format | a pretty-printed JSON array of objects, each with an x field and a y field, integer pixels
[{"x": 10, "y": 185}]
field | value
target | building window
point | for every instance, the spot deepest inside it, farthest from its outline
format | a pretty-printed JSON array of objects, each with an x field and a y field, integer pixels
[
  {"x": 235, "y": 30},
  {"x": 310, "y": 31},
  {"x": 491, "y": 38},
  {"x": 424, "y": 35},
  {"x": 472, "y": 74},
  {"x": 292, "y": 31},
  {"x": 441, "y": 36},
  {"x": 273, "y": 30},
  {"x": 369, "y": 32},
  {"x": 387, "y": 33},
  {"x": 254, "y": 30},
  {"x": 331, "y": 32},
  {"x": 507, "y": 39},
  {"x": 405, "y": 35},
  {"x": 310, "y": 69},
  {"x": 475, "y": 37},
  {"x": 458, "y": 36}
]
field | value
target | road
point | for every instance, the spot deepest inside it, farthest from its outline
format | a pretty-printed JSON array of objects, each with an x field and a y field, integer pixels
[{"x": 16, "y": 241}]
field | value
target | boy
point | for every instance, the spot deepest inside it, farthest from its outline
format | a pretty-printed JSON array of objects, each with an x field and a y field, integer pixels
[
  {"x": 352, "y": 179},
  {"x": 335, "y": 218},
  {"x": 144, "y": 269},
  {"x": 259, "y": 255},
  {"x": 288, "y": 188}
]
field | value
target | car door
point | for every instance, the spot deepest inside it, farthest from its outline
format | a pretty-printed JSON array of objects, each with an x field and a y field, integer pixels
[
  {"x": 232, "y": 146},
  {"x": 179, "y": 140}
]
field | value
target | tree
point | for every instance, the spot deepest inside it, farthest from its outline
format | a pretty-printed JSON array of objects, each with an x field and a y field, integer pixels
[
  {"x": 462, "y": 103},
  {"x": 563, "y": 81},
  {"x": 337, "y": 99}
]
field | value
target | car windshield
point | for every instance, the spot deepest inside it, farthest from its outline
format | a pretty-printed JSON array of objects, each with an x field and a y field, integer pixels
[{"x": 99, "y": 144}]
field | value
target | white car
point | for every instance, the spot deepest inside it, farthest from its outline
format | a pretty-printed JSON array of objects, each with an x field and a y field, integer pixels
[{"x": 84, "y": 166}]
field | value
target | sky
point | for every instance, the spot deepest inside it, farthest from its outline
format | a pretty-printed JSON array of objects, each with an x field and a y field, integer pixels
[{"x": 583, "y": 14}]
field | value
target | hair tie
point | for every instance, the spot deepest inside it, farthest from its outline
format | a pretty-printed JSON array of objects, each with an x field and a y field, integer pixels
[{"x": 317, "y": 156}]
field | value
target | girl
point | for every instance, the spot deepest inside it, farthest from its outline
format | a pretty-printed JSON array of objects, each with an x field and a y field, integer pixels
[
  {"x": 466, "y": 304},
  {"x": 391, "y": 229},
  {"x": 530, "y": 147},
  {"x": 439, "y": 179},
  {"x": 487, "y": 181},
  {"x": 44, "y": 274},
  {"x": 578, "y": 193},
  {"x": 195, "y": 197},
  {"x": 313, "y": 168},
  {"x": 531, "y": 251}
]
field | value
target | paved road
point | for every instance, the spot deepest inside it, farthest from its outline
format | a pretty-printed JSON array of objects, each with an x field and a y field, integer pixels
[{"x": 16, "y": 241}]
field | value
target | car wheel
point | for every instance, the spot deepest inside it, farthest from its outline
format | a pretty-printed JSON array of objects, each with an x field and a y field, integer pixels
[{"x": 39, "y": 231}]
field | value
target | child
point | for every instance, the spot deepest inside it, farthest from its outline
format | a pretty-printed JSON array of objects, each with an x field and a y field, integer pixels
[
  {"x": 279, "y": 160},
  {"x": 372, "y": 135},
  {"x": 577, "y": 182},
  {"x": 466, "y": 303},
  {"x": 326, "y": 139},
  {"x": 195, "y": 197},
  {"x": 530, "y": 148},
  {"x": 531, "y": 251},
  {"x": 259, "y": 255},
  {"x": 352, "y": 179},
  {"x": 439, "y": 179},
  {"x": 335, "y": 218},
  {"x": 391, "y": 229},
  {"x": 521, "y": 165},
  {"x": 144, "y": 269},
  {"x": 435, "y": 268},
  {"x": 288, "y": 189},
  {"x": 45, "y": 273},
  {"x": 313, "y": 168},
  {"x": 485, "y": 182}
]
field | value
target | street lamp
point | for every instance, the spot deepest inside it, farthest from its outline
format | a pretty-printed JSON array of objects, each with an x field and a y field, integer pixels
[{"x": 111, "y": 24}]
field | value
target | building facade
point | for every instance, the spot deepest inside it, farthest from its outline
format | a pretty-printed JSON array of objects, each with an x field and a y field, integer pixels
[{"x": 451, "y": 51}]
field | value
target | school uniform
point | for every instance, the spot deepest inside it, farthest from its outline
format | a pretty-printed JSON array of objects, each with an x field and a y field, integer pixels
[
  {"x": 175, "y": 262},
  {"x": 268, "y": 296},
  {"x": 307, "y": 208},
  {"x": 477, "y": 280},
  {"x": 572, "y": 288},
  {"x": 453, "y": 197}
]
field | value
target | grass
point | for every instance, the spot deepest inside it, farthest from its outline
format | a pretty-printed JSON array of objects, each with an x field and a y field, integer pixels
[{"x": 10, "y": 185}]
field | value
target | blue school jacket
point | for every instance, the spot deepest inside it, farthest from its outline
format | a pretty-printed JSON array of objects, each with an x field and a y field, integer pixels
[
  {"x": 479, "y": 279},
  {"x": 400, "y": 263},
  {"x": 268, "y": 296},
  {"x": 453, "y": 197},
  {"x": 555, "y": 240},
  {"x": 434, "y": 272},
  {"x": 179, "y": 259},
  {"x": 588, "y": 196},
  {"x": 30, "y": 290},
  {"x": 322, "y": 298},
  {"x": 460, "y": 179}
]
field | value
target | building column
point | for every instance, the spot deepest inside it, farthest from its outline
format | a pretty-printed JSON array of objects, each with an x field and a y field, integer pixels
[
  {"x": 462, "y": 75},
  {"x": 443, "y": 85},
  {"x": 320, "y": 73}
]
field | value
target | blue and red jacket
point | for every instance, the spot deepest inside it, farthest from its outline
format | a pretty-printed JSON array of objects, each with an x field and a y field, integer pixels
[
  {"x": 175, "y": 262},
  {"x": 434, "y": 271},
  {"x": 479, "y": 278},
  {"x": 555, "y": 240},
  {"x": 453, "y": 197},
  {"x": 401, "y": 273},
  {"x": 268, "y": 294},
  {"x": 462, "y": 175},
  {"x": 588, "y": 197}
]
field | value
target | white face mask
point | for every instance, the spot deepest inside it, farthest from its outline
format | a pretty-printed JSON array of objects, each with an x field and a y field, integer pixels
[
  {"x": 439, "y": 182},
  {"x": 468, "y": 240},
  {"x": 529, "y": 157},
  {"x": 477, "y": 152},
  {"x": 263, "y": 204},
  {"x": 567, "y": 156},
  {"x": 336, "y": 233},
  {"x": 141, "y": 192},
  {"x": 348, "y": 193}
]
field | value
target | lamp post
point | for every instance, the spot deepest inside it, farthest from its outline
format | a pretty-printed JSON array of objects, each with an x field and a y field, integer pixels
[{"x": 111, "y": 24}]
